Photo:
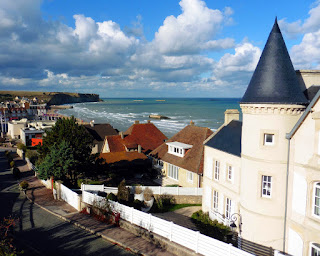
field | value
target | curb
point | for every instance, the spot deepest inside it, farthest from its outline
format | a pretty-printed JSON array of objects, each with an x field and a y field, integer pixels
[{"x": 117, "y": 243}]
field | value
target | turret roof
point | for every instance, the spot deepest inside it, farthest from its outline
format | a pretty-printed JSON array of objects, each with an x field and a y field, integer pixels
[{"x": 274, "y": 81}]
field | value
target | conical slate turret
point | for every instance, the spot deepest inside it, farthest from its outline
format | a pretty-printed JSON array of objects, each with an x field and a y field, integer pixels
[{"x": 274, "y": 81}]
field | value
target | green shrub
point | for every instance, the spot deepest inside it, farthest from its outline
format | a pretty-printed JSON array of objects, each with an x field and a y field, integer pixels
[
  {"x": 123, "y": 192},
  {"x": 12, "y": 164},
  {"x": 102, "y": 193},
  {"x": 137, "y": 204},
  {"x": 112, "y": 197},
  {"x": 148, "y": 194},
  {"x": 32, "y": 155},
  {"x": 16, "y": 172},
  {"x": 164, "y": 201},
  {"x": 172, "y": 185},
  {"x": 210, "y": 227},
  {"x": 22, "y": 147}
]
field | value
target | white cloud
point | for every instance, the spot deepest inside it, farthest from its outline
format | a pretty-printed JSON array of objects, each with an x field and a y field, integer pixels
[
  {"x": 306, "y": 55},
  {"x": 100, "y": 56},
  {"x": 237, "y": 68},
  {"x": 311, "y": 24},
  {"x": 192, "y": 30}
]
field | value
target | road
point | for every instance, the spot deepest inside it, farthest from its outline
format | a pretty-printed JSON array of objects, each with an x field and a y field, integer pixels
[{"x": 41, "y": 233}]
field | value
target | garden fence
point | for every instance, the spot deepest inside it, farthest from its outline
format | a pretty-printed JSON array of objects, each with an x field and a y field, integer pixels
[
  {"x": 191, "y": 239},
  {"x": 157, "y": 190},
  {"x": 70, "y": 197}
]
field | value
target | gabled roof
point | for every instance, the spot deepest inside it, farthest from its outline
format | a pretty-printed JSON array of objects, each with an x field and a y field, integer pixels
[
  {"x": 100, "y": 131},
  {"x": 193, "y": 158},
  {"x": 115, "y": 143},
  {"x": 274, "y": 80},
  {"x": 147, "y": 135},
  {"x": 114, "y": 157},
  {"x": 228, "y": 138}
]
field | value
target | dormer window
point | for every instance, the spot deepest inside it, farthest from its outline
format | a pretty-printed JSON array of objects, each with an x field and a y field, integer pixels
[{"x": 178, "y": 148}]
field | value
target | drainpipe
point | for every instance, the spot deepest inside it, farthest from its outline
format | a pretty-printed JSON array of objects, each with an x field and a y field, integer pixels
[{"x": 286, "y": 198}]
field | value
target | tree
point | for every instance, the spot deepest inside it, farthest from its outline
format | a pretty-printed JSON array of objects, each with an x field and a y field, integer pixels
[
  {"x": 59, "y": 163},
  {"x": 77, "y": 138}
]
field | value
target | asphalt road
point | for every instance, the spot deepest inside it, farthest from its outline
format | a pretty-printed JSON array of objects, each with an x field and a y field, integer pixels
[{"x": 41, "y": 233}]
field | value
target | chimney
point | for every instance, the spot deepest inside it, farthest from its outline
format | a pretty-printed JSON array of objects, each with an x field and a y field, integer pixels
[
  {"x": 121, "y": 135},
  {"x": 231, "y": 114},
  {"x": 148, "y": 121},
  {"x": 136, "y": 122},
  {"x": 139, "y": 148},
  {"x": 191, "y": 122}
]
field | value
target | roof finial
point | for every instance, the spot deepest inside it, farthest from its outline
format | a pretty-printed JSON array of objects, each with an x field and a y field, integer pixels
[{"x": 276, "y": 20}]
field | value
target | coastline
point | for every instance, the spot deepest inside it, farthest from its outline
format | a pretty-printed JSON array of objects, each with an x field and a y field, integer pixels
[{"x": 54, "y": 112}]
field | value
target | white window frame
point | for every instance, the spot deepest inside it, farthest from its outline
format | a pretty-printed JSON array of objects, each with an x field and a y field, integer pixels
[
  {"x": 190, "y": 176},
  {"x": 230, "y": 173},
  {"x": 314, "y": 247},
  {"x": 265, "y": 139},
  {"x": 216, "y": 170},
  {"x": 173, "y": 172},
  {"x": 316, "y": 206},
  {"x": 228, "y": 208},
  {"x": 265, "y": 188},
  {"x": 215, "y": 201}
]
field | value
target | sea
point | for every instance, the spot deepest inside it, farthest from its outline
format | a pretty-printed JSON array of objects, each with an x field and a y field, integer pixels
[{"x": 121, "y": 113}]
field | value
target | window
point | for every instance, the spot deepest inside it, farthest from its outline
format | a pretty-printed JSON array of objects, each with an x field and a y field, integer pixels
[
  {"x": 316, "y": 202},
  {"x": 268, "y": 139},
  {"x": 215, "y": 200},
  {"x": 228, "y": 208},
  {"x": 315, "y": 249},
  {"x": 216, "y": 170},
  {"x": 190, "y": 176},
  {"x": 173, "y": 171},
  {"x": 178, "y": 148},
  {"x": 230, "y": 173},
  {"x": 266, "y": 186}
]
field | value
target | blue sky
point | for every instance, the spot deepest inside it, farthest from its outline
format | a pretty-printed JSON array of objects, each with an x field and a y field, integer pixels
[{"x": 144, "y": 48}]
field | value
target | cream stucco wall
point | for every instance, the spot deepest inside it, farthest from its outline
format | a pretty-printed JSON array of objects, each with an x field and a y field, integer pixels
[
  {"x": 226, "y": 188},
  {"x": 263, "y": 218},
  {"x": 304, "y": 173},
  {"x": 182, "y": 177}
]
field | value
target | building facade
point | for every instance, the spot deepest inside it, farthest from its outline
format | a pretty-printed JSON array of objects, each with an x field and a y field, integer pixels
[{"x": 276, "y": 189}]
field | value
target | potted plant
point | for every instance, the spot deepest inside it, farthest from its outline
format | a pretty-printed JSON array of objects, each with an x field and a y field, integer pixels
[{"x": 138, "y": 195}]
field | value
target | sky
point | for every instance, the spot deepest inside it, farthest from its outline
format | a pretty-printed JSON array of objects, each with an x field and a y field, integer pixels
[{"x": 147, "y": 48}]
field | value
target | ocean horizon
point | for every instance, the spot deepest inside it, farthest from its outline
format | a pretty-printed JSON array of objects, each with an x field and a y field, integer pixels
[{"x": 122, "y": 112}]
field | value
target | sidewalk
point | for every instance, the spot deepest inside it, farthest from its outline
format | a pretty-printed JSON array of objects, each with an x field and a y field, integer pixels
[{"x": 43, "y": 197}]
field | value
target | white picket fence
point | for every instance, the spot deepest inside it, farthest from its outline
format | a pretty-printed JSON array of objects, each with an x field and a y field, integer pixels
[
  {"x": 70, "y": 197},
  {"x": 157, "y": 190},
  {"x": 191, "y": 239}
]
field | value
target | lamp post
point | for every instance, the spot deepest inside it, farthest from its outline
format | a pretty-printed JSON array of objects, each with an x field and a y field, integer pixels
[{"x": 234, "y": 217}]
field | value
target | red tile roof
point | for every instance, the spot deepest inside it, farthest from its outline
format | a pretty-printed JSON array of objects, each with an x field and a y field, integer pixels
[
  {"x": 114, "y": 157},
  {"x": 147, "y": 135},
  {"x": 193, "y": 158},
  {"x": 115, "y": 143}
]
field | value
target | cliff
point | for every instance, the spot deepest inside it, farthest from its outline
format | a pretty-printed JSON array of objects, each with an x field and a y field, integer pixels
[
  {"x": 63, "y": 98},
  {"x": 51, "y": 98}
]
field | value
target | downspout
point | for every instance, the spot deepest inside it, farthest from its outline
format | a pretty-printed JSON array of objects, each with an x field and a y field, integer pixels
[{"x": 286, "y": 198}]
